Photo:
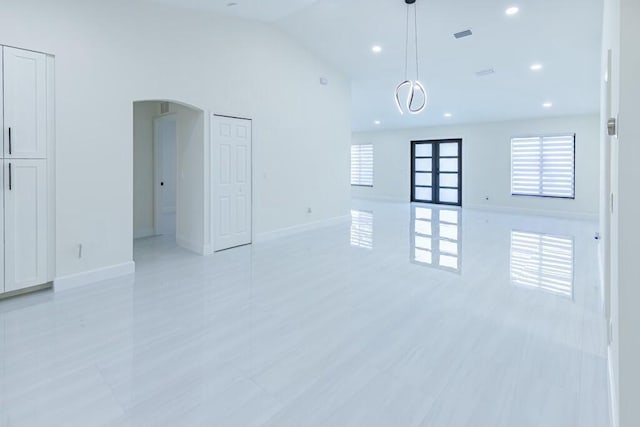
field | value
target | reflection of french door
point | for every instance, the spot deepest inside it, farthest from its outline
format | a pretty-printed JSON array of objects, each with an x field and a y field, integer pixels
[{"x": 436, "y": 171}]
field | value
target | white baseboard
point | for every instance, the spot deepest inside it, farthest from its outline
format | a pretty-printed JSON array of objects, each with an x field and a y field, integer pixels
[
  {"x": 143, "y": 232},
  {"x": 87, "y": 277},
  {"x": 613, "y": 398},
  {"x": 380, "y": 198},
  {"x": 288, "y": 231},
  {"x": 191, "y": 246},
  {"x": 535, "y": 212}
]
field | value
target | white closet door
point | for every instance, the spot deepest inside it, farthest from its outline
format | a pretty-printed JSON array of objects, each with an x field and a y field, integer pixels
[
  {"x": 2, "y": 102},
  {"x": 2, "y": 290},
  {"x": 25, "y": 198},
  {"x": 231, "y": 172},
  {"x": 25, "y": 104}
]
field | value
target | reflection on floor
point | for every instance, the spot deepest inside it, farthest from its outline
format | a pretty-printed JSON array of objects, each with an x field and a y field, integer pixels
[
  {"x": 436, "y": 237},
  {"x": 362, "y": 229},
  {"x": 542, "y": 261},
  {"x": 308, "y": 330}
]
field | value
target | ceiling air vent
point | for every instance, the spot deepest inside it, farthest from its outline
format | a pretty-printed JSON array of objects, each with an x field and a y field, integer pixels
[
  {"x": 461, "y": 34},
  {"x": 486, "y": 72}
]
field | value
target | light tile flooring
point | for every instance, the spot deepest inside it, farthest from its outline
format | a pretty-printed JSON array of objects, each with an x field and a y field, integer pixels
[{"x": 408, "y": 316}]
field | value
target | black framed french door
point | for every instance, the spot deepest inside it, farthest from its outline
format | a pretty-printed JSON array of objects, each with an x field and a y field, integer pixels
[{"x": 436, "y": 171}]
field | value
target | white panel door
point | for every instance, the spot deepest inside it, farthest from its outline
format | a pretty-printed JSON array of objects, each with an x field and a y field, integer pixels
[
  {"x": 25, "y": 104},
  {"x": 231, "y": 171},
  {"x": 2, "y": 103},
  {"x": 2, "y": 227},
  {"x": 165, "y": 174},
  {"x": 25, "y": 199}
]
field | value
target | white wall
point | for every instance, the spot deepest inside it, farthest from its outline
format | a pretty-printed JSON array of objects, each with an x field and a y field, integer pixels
[
  {"x": 190, "y": 188},
  {"x": 113, "y": 53},
  {"x": 621, "y": 35},
  {"x": 486, "y": 156},
  {"x": 143, "y": 168}
]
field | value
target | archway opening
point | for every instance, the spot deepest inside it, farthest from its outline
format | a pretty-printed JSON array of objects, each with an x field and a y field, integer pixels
[{"x": 168, "y": 176}]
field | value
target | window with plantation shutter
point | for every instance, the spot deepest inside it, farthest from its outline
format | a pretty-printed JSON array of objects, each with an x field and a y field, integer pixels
[
  {"x": 362, "y": 165},
  {"x": 543, "y": 166}
]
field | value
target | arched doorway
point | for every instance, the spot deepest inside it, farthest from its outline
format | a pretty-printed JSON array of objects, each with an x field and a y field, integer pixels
[{"x": 169, "y": 174}]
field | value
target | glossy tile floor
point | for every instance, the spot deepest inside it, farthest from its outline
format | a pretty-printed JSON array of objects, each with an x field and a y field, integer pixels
[{"x": 410, "y": 315}]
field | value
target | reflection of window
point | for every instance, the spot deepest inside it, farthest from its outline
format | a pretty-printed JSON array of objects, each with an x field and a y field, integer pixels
[
  {"x": 436, "y": 238},
  {"x": 542, "y": 261},
  {"x": 362, "y": 229},
  {"x": 362, "y": 165}
]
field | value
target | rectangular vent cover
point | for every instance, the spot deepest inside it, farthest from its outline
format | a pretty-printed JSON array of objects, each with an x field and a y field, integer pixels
[
  {"x": 485, "y": 72},
  {"x": 461, "y": 34}
]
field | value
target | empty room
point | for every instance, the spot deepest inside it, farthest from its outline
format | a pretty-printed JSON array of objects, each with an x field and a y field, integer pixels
[{"x": 371, "y": 213}]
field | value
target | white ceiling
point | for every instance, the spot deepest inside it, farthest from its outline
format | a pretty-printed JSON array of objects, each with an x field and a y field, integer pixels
[{"x": 563, "y": 35}]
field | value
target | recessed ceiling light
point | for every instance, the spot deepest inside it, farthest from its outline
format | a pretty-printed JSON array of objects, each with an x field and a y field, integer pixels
[
  {"x": 536, "y": 67},
  {"x": 512, "y": 10},
  {"x": 376, "y": 49},
  {"x": 376, "y": 122},
  {"x": 547, "y": 105},
  {"x": 447, "y": 115}
]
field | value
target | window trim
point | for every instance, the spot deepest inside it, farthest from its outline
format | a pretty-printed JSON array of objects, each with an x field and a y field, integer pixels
[
  {"x": 550, "y": 135},
  {"x": 372, "y": 165}
]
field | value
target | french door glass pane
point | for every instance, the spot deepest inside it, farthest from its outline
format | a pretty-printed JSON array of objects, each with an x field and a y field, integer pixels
[
  {"x": 449, "y": 165},
  {"x": 448, "y": 195},
  {"x": 449, "y": 247},
  {"x": 449, "y": 261},
  {"x": 448, "y": 216},
  {"x": 424, "y": 179},
  {"x": 423, "y": 165},
  {"x": 448, "y": 180},
  {"x": 449, "y": 149},
  {"x": 423, "y": 213},
  {"x": 448, "y": 231},
  {"x": 423, "y": 150},
  {"x": 423, "y": 193},
  {"x": 423, "y": 227},
  {"x": 424, "y": 256},
  {"x": 423, "y": 242}
]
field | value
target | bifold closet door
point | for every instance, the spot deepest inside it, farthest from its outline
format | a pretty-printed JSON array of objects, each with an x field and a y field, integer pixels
[
  {"x": 25, "y": 231},
  {"x": 25, "y": 104}
]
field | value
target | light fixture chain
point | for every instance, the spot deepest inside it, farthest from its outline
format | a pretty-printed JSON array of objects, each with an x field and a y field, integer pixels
[
  {"x": 406, "y": 49},
  {"x": 415, "y": 23}
]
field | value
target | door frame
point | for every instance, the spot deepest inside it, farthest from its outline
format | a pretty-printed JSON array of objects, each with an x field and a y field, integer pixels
[
  {"x": 435, "y": 170},
  {"x": 213, "y": 164},
  {"x": 156, "y": 168}
]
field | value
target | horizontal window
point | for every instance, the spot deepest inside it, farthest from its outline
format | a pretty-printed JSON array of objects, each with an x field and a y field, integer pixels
[
  {"x": 543, "y": 166},
  {"x": 362, "y": 165}
]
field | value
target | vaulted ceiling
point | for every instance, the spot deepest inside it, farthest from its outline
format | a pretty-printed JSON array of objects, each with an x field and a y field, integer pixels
[{"x": 561, "y": 35}]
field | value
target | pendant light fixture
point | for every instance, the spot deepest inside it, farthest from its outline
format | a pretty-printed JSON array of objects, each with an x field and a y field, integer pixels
[{"x": 416, "y": 94}]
